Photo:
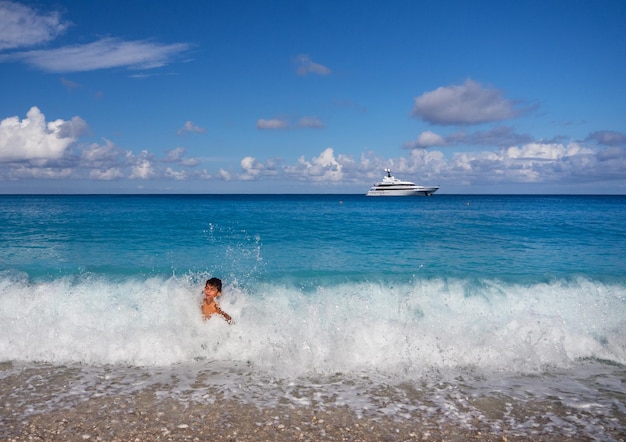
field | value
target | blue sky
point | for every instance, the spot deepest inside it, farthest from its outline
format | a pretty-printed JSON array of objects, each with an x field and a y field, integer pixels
[{"x": 312, "y": 96}]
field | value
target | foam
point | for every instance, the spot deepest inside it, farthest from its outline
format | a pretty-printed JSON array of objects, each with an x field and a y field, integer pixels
[{"x": 369, "y": 327}]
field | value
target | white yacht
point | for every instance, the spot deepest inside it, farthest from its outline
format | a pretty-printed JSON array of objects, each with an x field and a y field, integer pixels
[{"x": 391, "y": 186}]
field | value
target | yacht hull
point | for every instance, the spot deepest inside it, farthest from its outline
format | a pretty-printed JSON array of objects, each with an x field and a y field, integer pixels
[
  {"x": 421, "y": 191},
  {"x": 391, "y": 186}
]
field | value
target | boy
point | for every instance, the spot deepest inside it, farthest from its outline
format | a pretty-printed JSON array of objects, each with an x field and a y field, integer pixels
[{"x": 212, "y": 290}]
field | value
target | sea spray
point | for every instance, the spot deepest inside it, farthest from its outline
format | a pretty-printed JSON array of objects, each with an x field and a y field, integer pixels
[{"x": 401, "y": 330}]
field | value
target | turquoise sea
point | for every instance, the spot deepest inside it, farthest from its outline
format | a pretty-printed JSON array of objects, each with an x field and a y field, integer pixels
[{"x": 452, "y": 305}]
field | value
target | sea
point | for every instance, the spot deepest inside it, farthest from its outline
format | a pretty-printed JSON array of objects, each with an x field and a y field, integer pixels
[{"x": 504, "y": 312}]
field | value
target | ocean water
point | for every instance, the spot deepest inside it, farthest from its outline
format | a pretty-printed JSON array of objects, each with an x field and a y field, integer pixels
[{"x": 463, "y": 308}]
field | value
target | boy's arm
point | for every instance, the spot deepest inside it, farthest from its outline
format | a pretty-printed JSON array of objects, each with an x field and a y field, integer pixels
[{"x": 224, "y": 314}]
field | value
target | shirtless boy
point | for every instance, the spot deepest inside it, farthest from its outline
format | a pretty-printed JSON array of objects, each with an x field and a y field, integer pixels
[{"x": 212, "y": 290}]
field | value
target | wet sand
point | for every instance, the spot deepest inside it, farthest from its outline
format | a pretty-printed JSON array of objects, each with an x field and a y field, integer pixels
[
  {"x": 222, "y": 421},
  {"x": 142, "y": 417},
  {"x": 51, "y": 403}
]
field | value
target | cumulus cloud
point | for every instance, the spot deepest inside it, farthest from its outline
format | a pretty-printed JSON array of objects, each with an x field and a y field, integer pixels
[
  {"x": 251, "y": 167},
  {"x": 33, "y": 149},
  {"x": 569, "y": 163},
  {"x": 325, "y": 167},
  {"x": 106, "y": 175},
  {"x": 536, "y": 162},
  {"x": 52, "y": 151},
  {"x": 304, "y": 66},
  {"x": 22, "y": 26},
  {"x": 254, "y": 169},
  {"x": 543, "y": 152},
  {"x": 225, "y": 175},
  {"x": 177, "y": 156},
  {"x": 101, "y": 155},
  {"x": 426, "y": 139},
  {"x": 102, "y": 161},
  {"x": 189, "y": 127},
  {"x": 177, "y": 175},
  {"x": 27, "y": 171},
  {"x": 143, "y": 167},
  {"x": 469, "y": 103},
  {"x": 107, "y": 161},
  {"x": 608, "y": 138},
  {"x": 174, "y": 155},
  {"x": 102, "y": 54},
  {"x": 32, "y": 138},
  {"x": 95, "y": 161}
]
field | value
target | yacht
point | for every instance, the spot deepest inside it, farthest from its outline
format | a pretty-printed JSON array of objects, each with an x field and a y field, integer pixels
[{"x": 391, "y": 186}]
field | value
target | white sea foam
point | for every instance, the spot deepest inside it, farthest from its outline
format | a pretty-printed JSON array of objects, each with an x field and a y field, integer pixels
[{"x": 359, "y": 328}]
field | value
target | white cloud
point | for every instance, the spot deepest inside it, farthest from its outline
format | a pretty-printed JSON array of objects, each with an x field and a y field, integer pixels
[
  {"x": 189, "y": 162},
  {"x": 426, "y": 139},
  {"x": 33, "y": 149},
  {"x": 548, "y": 163},
  {"x": 106, "y": 175},
  {"x": 545, "y": 151},
  {"x": 189, "y": 127},
  {"x": 254, "y": 169},
  {"x": 304, "y": 66},
  {"x": 142, "y": 168},
  {"x": 102, "y": 54},
  {"x": 251, "y": 167},
  {"x": 468, "y": 103},
  {"x": 271, "y": 124},
  {"x": 97, "y": 155},
  {"x": 225, "y": 175},
  {"x": 102, "y": 162},
  {"x": 176, "y": 156},
  {"x": 534, "y": 163},
  {"x": 178, "y": 175},
  {"x": 22, "y": 26},
  {"x": 324, "y": 168},
  {"x": 23, "y": 171},
  {"x": 33, "y": 138},
  {"x": 60, "y": 157}
]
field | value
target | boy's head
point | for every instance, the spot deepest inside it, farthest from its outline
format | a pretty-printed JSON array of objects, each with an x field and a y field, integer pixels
[{"x": 215, "y": 283}]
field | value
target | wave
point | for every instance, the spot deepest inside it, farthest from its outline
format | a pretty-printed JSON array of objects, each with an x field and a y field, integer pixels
[{"x": 368, "y": 327}]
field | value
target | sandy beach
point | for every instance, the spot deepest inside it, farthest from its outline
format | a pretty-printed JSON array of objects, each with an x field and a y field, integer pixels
[
  {"x": 50, "y": 403},
  {"x": 142, "y": 418}
]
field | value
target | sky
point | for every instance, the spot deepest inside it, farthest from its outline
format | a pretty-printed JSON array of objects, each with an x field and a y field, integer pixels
[{"x": 298, "y": 96}]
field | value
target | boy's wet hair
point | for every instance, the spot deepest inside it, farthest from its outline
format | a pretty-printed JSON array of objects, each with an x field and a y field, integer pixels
[{"x": 215, "y": 282}]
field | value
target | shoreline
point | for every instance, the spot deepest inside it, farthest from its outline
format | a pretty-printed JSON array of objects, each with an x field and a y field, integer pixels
[
  {"x": 142, "y": 417},
  {"x": 194, "y": 403}
]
